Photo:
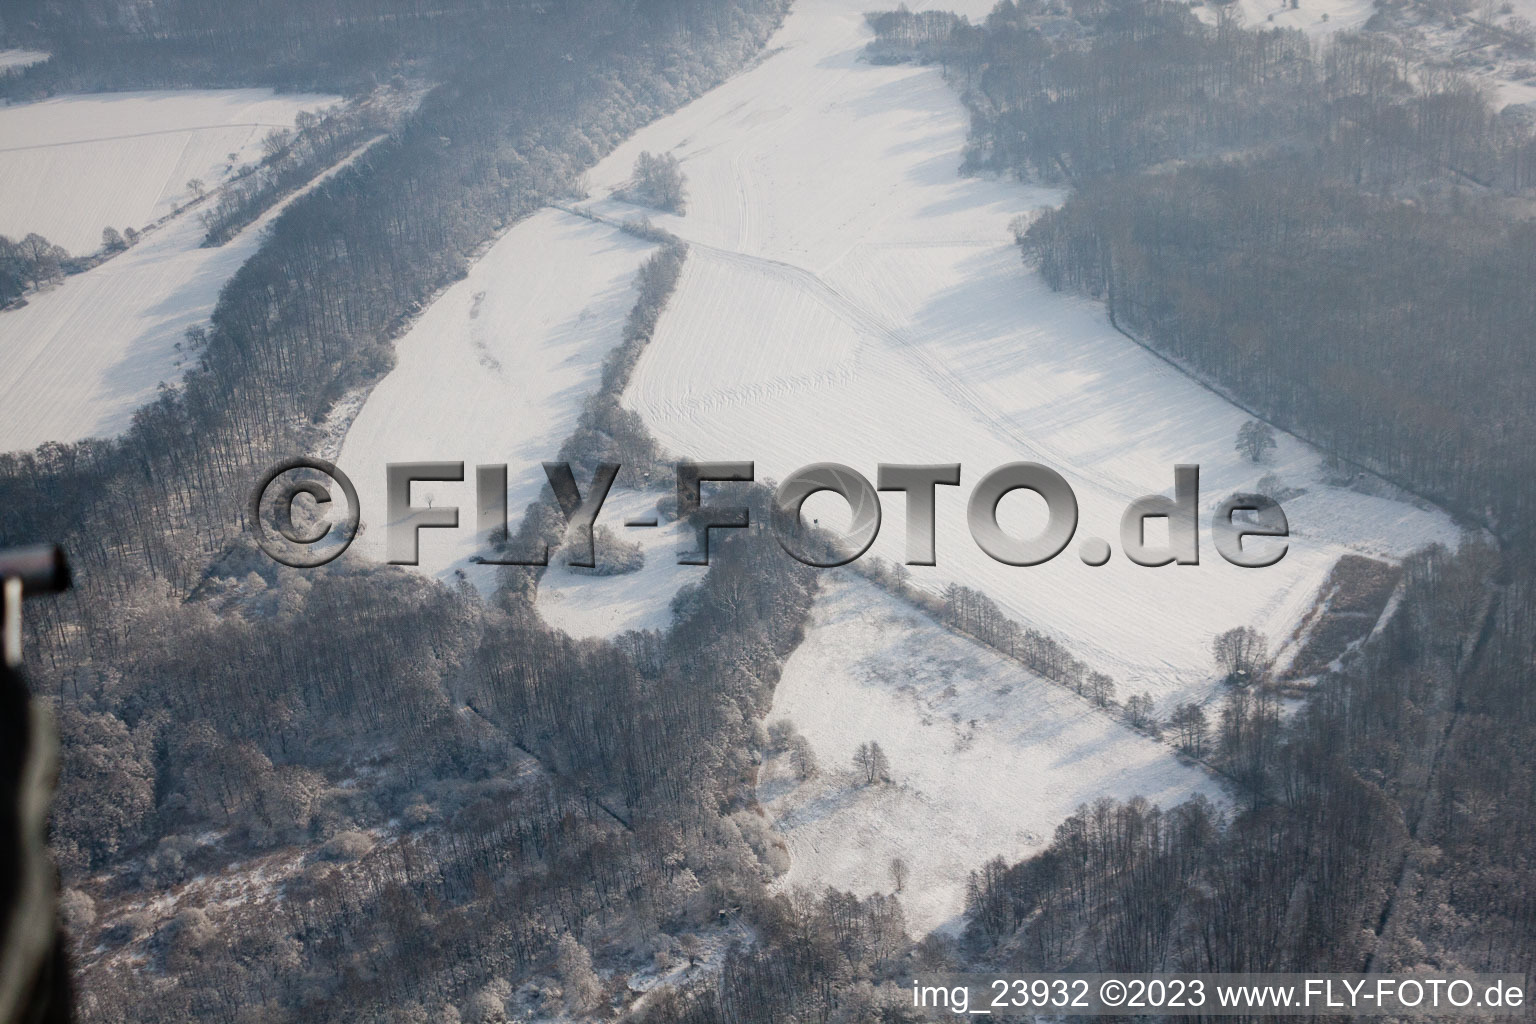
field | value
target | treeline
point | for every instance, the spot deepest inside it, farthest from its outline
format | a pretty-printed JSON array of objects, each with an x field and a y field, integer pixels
[
  {"x": 520, "y": 786},
  {"x": 606, "y": 431},
  {"x": 293, "y": 159},
  {"x": 544, "y": 788},
  {"x": 903, "y": 35},
  {"x": 529, "y": 797},
  {"x": 1472, "y": 897},
  {"x": 977, "y": 615},
  {"x": 1122, "y": 87},
  {"x": 971, "y": 612},
  {"x": 826, "y": 957},
  {"x": 452, "y": 800}
]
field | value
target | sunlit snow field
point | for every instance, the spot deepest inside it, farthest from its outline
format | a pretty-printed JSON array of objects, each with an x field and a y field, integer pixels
[
  {"x": 848, "y": 297},
  {"x": 15, "y": 60},
  {"x": 73, "y": 165},
  {"x": 583, "y": 605},
  {"x": 1319, "y": 19}
]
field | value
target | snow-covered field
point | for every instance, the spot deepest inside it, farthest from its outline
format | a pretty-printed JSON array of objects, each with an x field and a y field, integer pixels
[
  {"x": 83, "y": 355},
  {"x": 73, "y": 165},
  {"x": 850, "y": 298},
  {"x": 986, "y": 758},
  {"x": 495, "y": 372}
]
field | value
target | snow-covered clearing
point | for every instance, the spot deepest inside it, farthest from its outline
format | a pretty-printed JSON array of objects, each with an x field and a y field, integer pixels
[
  {"x": 15, "y": 60},
  {"x": 986, "y": 758},
  {"x": 83, "y": 355},
  {"x": 850, "y": 298},
  {"x": 1317, "y": 18},
  {"x": 73, "y": 165},
  {"x": 495, "y": 372},
  {"x": 585, "y": 605}
]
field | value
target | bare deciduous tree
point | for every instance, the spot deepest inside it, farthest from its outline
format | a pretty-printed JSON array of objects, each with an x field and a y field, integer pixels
[
  {"x": 802, "y": 759},
  {"x": 1189, "y": 722},
  {"x": 1241, "y": 654},
  {"x": 872, "y": 763},
  {"x": 1255, "y": 440}
]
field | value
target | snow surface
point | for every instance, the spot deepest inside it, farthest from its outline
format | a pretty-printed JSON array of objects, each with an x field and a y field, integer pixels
[
  {"x": 1428, "y": 35},
  {"x": 73, "y": 165},
  {"x": 83, "y": 355},
  {"x": 986, "y": 758},
  {"x": 850, "y": 298},
  {"x": 495, "y": 372},
  {"x": 15, "y": 60},
  {"x": 1317, "y": 18},
  {"x": 86, "y": 354},
  {"x": 584, "y": 605}
]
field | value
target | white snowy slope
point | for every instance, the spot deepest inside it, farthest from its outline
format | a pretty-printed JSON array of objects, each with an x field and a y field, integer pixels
[
  {"x": 495, "y": 372},
  {"x": 84, "y": 354},
  {"x": 850, "y": 298},
  {"x": 986, "y": 759},
  {"x": 73, "y": 165}
]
